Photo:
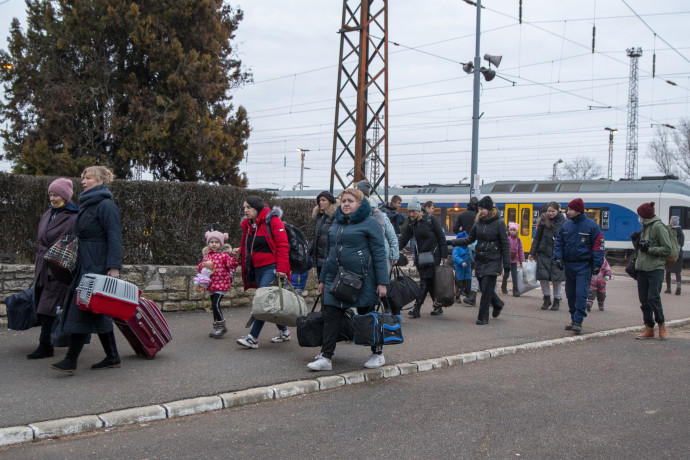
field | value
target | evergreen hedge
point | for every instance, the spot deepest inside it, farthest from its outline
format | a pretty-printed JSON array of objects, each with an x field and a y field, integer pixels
[{"x": 163, "y": 223}]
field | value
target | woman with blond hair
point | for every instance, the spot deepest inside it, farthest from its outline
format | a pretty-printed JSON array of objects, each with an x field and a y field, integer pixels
[{"x": 100, "y": 251}]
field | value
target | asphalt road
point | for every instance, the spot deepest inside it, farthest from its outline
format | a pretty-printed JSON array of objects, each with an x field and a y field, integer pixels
[
  {"x": 195, "y": 365},
  {"x": 613, "y": 398}
]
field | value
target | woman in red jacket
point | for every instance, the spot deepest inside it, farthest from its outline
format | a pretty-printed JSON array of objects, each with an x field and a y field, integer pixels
[{"x": 264, "y": 255}]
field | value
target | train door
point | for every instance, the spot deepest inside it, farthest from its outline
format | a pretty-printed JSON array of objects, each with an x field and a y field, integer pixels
[{"x": 521, "y": 213}]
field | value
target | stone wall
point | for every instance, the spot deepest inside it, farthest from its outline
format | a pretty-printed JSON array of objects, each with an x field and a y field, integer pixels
[{"x": 171, "y": 287}]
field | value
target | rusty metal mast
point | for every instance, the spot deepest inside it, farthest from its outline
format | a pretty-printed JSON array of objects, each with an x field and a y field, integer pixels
[{"x": 362, "y": 95}]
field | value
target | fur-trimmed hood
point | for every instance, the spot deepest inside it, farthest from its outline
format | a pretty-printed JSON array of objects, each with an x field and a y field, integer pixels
[
  {"x": 265, "y": 214},
  {"x": 224, "y": 248},
  {"x": 330, "y": 210},
  {"x": 493, "y": 213}
]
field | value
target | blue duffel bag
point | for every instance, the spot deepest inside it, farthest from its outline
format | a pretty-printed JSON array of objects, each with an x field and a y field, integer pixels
[{"x": 378, "y": 328}]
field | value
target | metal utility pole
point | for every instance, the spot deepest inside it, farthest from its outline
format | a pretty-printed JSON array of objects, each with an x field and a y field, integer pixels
[
  {"x": 301, "y": 169},
  {"x": 474, "y": 187},
  {"x": 362, "y": 77},
  {"x": 631, "y": 139},
  {"x": 611, "y": 131}
]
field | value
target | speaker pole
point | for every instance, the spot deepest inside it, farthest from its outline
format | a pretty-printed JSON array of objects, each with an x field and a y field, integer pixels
[{"x": 474, "y": 187}]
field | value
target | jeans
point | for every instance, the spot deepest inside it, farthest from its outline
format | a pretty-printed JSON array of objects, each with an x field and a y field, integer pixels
[
  {"x": 577, "y": 278},
  {"x": 263, "y": 277},
  {"x": 489, "y": 297},
  {"x": 649, "y": 291},
  {"x": 557, "y": 289}
]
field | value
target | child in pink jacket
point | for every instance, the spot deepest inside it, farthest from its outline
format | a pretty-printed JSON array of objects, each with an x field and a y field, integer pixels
[
  {"x": 597, "y": 286},
  {"x": 517, "y": 257},
  {"x": 215, "y": 274}
]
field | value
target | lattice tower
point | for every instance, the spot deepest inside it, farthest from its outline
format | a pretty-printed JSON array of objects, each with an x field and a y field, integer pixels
[{"x": 631, "y": 140}]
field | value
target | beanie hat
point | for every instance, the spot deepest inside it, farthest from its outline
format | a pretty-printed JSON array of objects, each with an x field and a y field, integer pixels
[
  {"x": 222, "y": 237},
  {"x": 326, "y": 194},
  {"x": 513, "y": 226},
  {"x": 365, "y": 187},
  {"x": 577, "y": 205},
  {"x": 646, "y": 210},
  {"x": 255, "y": 202},
  {"x": 486, "y": 203},
  {"x": 61, "y": 187},
  {"x": 413, "y": 205}
]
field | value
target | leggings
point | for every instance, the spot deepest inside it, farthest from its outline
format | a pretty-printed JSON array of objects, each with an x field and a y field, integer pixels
[
  {"x": 215, "y": 305},
  {"x": 668, "y": 279}
]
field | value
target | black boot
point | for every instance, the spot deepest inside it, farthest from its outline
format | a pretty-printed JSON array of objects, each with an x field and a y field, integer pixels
[
  {"x": 668, "y": 289},
  {"x": 415, "y": 311},
  {"x": 471, "y": 299},
  {"x": 44, "y": 349},
  {"x": 556, "y": 304},
  {"x": 504, "y": 285},
  {"x": 547, "y": 302},
  {"x": 69, "y": 364},
  {"x": 112, "y": 359},
  {"x": 438, "y": 310},
  {"x": 678, "y": 290}
]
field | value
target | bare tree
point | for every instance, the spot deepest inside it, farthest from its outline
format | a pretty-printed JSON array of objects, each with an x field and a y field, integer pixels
[
  {"x": 672, "y": 158},
  {"x": 581, "y": 168}
]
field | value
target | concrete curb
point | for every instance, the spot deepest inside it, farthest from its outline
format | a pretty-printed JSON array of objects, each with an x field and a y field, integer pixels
[{"x": 136, "y": 415}]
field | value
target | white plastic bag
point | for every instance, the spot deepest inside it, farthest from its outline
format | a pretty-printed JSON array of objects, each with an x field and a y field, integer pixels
[
  {"x": 523, "y": 283},
  {"x": 530, "y": 269}
]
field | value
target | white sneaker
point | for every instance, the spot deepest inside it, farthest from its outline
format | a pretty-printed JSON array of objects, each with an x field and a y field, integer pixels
[
  {"x": 321, "y": 364},
  {"x": 375, "y": 361},
  {"x": 317, "y": 356},
  {"x": 283, "y": 336},
  {"x": 248, "y": 341}
]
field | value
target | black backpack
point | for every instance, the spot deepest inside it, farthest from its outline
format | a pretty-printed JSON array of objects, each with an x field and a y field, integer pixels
[{"x": 299, "y": 247}]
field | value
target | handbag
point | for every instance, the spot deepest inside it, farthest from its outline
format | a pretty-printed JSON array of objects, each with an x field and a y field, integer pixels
[
  {"x": 310, "y": 327},
  {"x": 444, "y": 285},
  {"x": 346, "y": 285},
  {"x": 278, "y": 304},
  {"x": 402, "y": 290},
  {"x": 63, "y": 254},
  {"x": 630, "y": 267},
  {"x": 378, "y": 328},
  {"x": 426, "y": 259},
  {"x": 21, "y": 311}
]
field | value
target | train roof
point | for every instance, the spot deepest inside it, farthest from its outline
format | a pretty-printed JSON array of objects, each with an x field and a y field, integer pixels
[{"x": 644, "y": 185}]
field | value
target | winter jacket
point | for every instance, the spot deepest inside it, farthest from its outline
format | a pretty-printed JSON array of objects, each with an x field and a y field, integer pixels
[
  {"x": 100, "y": 248},
  {"x": 226, "y": 265},
  {"x": 396, "y": 218},
  {"x": 604, "y": 272},
  {"x": 323, "y": 222},
  {"x": 659, "y": 245},
  {"x": 48, "y": 290},
  {"x": 678, "y": 265},
  {"x": 430, "y": 238},
  {"x": 465, "y": 220},
  {"x": 462, "y": 254},
  {"x": 580, "y": 240},
  {"x": 542, "y": 249},
  {"x": 390, "y": 239},
  {"x": 356, "y": 243},
  {"x": 516, "y": 252},
  {"x": 492, "y": 252},
  {"x": 279, "y": 247}
]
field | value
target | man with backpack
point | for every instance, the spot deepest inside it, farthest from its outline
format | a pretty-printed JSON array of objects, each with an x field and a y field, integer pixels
[
  {"x": 653, "y": 244},
  {"x": 391, "y": 211}
]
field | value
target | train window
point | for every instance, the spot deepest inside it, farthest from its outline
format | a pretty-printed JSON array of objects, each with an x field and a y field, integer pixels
[
  {"x": 451, "y": 215},
  {"x": 683, "y": 212},
  {"x": 569, "y": 187},
  {"x": 525, "y": 221},
  {"x": 523, "y": 188},
  {"x": 502, "y": 188},
  {"x": 512, "y": 215},
  {"x": 594, "y": 214},
  {"x": 546, "y": 187},
  {"x": 601, "y": 186}
]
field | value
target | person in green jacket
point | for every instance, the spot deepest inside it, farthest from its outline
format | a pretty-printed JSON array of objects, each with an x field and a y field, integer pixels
[{"x": 652, "y": 245}]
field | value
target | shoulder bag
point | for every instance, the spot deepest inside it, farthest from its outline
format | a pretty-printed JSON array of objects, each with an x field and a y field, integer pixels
[
  {"x": 402, "y": 290},
  {"x": 347, "y": 284},
  {"x": 63, "y": 254}
]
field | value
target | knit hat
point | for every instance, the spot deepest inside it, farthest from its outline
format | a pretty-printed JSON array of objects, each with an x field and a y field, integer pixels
[
  {"x": 413, "y": 205},
  {"x": 61, "y": 187},
  {"x": 255, "y": 202},
  {"x": 365, "y": 187},
  {"x": 222, "y": 237},
  {"x": 675, "y": 221},
  {"x": 486, "y": 203},
  {"x": 326, "y": 194},
  {"x": 577, "y": 205},
  {"x": 513, "y": 226},
  {"x": 646, "y": 210}
]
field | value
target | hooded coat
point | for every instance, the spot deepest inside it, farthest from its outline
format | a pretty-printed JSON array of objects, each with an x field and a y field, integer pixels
[
  {"x": 465, "y": 220},
  {"x": 225, "y": 267},
  {"x": 542, "y": 249},
  {"x": 50, "y": 291},
  {"x": 678, "y": 265},
  {"x": 279, "y": 247},
  {"x": 430, "y": 238},
  {"x": 462, "y": 254},
  {"x": 659, "y": 245},
  {"x": 100, "y": 248},
  {"x": 356, "y": 243},
  {"x": 322, "y": 223},
  {"x": 492, "y": 252}
]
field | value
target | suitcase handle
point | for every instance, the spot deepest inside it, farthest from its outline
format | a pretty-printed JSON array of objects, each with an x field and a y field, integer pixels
[{"x": 145, "y": 329}]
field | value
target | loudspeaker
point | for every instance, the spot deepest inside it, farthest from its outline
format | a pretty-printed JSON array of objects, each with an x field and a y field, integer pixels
[
  {"x": 489, "y": 74},
  {"x": 495, "y": 60},
  {"x": 468, "y": 67}
]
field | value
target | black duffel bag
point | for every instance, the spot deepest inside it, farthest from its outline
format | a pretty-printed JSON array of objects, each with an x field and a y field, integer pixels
[
  {"x": 21, "y": 311},
  {"x": 402, "y": 290},
  {"x": 310, "y": 327},
  {"x": 378, "y": 328}
]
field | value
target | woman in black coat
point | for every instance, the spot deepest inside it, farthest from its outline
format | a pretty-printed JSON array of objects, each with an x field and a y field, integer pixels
[
  {"x": 49, "y": 287},
  {"x": 542, "y": 250},
  {"x": 100, "y": 251},
  {"x": 491, "y": 255},
  {"x": 323, "y": 219},
  {"x": 430, "y": 238}
]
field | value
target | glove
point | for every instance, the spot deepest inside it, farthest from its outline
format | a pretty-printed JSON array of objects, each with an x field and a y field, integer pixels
[
  {"x": 559, "y": 264},
  {"x": 643, "y": 245},
  {"x": 596, "y": 270},
  {"x": 634, "y": 235}
]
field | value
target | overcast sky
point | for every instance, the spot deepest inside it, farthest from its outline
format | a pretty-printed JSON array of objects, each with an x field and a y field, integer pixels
[{"x": 563, "y": 98}]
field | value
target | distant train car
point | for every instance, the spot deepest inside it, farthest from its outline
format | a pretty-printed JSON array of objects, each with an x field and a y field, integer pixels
[{"x": 611, "y": 204}]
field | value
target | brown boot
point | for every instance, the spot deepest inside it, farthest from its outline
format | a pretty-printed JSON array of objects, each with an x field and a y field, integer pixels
[
  {"x": 647, "y": 334},
  {"x": 663, "y": 332}
]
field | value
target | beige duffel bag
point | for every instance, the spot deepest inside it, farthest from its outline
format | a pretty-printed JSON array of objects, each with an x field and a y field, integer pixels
[{"x": 278, "y": 303}]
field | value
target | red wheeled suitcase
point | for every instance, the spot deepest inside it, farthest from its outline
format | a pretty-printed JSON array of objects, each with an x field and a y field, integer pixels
[{"x": 146, "y": 331}]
